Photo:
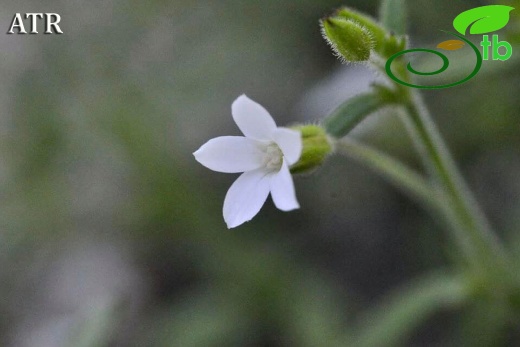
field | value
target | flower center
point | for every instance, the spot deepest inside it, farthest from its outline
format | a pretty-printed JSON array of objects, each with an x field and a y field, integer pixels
[{"x": 273, "y": 157}]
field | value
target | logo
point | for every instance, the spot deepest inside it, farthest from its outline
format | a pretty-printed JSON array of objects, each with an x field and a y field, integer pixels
[{"x": 479, "y": 20}]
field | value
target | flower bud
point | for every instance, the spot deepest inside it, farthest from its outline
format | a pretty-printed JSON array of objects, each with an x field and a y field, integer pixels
[
  {"x": 316, "y": 147},
  {"x": 377, "y": 32},
  {"x": 392, "y": 45},
  {"x": 353, "y": 35},
  {"x": 350, "y": 40}
]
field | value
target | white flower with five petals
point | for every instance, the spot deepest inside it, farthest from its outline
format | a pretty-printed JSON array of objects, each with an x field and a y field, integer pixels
[{"x": 264, "y": 155}]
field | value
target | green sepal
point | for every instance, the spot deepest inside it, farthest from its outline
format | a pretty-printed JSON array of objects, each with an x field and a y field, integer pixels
[
  {"x": 353, "y": 111},
  {"x": 392, "y": 45},
  {"x": 316, "y": 147},
  {"x": 350, "y": 41},
  {"x": 377, "y": 32},
  {"x": 353, "y": 35}
]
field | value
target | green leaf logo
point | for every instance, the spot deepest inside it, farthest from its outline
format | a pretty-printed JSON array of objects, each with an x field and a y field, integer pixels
[{"x": 482, "y": 20}]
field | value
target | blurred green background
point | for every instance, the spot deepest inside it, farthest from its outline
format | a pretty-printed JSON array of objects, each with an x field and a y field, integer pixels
[{"x": 111, "y": 234}]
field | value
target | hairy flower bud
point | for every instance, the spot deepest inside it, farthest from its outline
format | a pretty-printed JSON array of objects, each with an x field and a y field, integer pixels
[
  {"x": 392, "y": 45},
  {"x": 353, "y": 35},
  {"x": 377, "y": 32},
  {"x": 316, "y": 147},
  {"x": 350, "y": 40}
]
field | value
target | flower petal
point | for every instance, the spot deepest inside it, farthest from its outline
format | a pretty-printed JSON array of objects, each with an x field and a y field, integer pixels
[
  {"x": 252, "y": 119},
  {"x": 245, "y": 197},
  {"x": 282, "y": 189},
  {"x": 290, "y": 142},
  {"x": 231, "y": 154}
]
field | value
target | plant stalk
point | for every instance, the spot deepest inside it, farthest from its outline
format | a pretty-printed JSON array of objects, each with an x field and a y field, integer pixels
[{"x": 471, "y": 229}]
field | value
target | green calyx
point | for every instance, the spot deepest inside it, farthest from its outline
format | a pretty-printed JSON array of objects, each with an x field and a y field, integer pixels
[
  {"x": 393, "y": 44},
  {"x": 353, "y": 36},
  {"x": 349, "y": 40},
  {"x": 377, "y": 33},
  {"x": 316, "y": 147}
]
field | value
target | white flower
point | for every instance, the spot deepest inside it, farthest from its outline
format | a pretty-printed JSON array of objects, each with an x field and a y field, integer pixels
[{"x": 264, "y": 155}]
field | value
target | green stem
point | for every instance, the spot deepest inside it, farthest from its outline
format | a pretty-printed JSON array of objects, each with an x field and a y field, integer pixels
[
  {"x": 471, "y": 229},
  {"x": 403, "y": 177},
  {"x": 408, "y": 307}
]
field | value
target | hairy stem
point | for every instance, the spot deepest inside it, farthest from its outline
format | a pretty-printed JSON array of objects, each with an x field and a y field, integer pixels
[{"x": 471, "y": 229}]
